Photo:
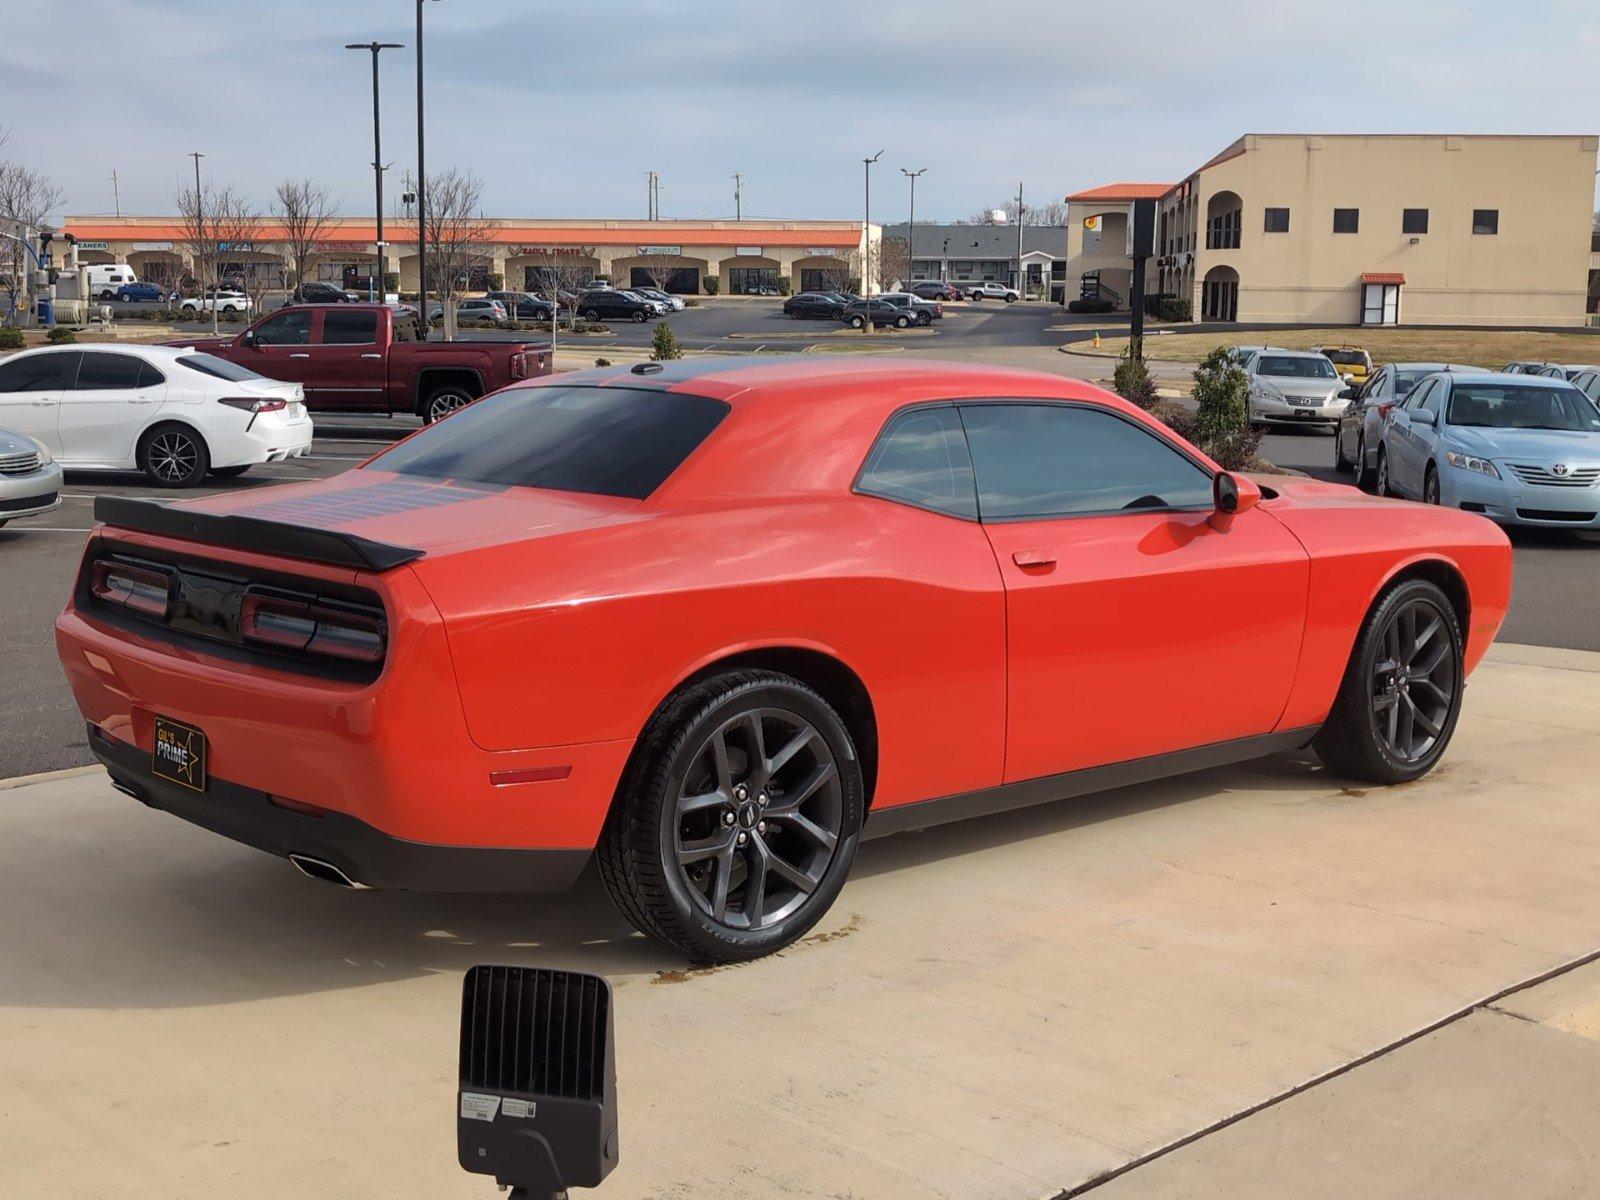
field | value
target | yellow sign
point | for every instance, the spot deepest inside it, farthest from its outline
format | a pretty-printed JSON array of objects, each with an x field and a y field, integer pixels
[{"x": 1091, "y": 224}]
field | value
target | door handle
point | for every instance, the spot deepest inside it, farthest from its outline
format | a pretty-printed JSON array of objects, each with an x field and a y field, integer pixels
[
  {"x": 1033, "y": 558},
  {"x": 372, "y": 356},
  {"x": 44, "y": 403},
  {"x": 299, "y": 356}
]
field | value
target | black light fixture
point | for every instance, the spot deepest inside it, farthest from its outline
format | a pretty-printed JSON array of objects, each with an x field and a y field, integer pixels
[{"x": 537, "y": 1103}]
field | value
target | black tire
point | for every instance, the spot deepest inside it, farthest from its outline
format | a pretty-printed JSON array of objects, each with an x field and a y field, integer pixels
[
  {"x": 1356, "y": 739},
  {"x": 924, "y": 319},
  {"x": 1430, "y": 486},
  {"x": 640, "y": 849},
  {"x": 173, "y": 455},
  {"x": 1340, "y": 462},
  {"x": 592, "y": 315},
  {"x": 230, "y": 472},
  {"x": 639, "y": 318},
  {"x": 1364, "y": 474},
  {"x": 857, "y": 323},
  {"x": 1011, "y": 299},
  {"x": 1380, "y": 483},
  {"x": 442, "y": 401},
  {"x": 901, "y": 322}
]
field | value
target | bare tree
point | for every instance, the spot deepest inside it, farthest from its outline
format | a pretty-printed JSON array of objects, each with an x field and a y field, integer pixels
[
  {"x": 240, "y": 232},
  {"x": 26, "y": 198},
  {"x": 838, "y": 278},
  {"x": 306, "y": 210},
  {"x": 893, "y": 261},
  {"x": 1052, "y": 213},
  {"x": 456, "y": 232},
  {"x": 563, "y": 272},
  {"x": 658, "y": 268}
]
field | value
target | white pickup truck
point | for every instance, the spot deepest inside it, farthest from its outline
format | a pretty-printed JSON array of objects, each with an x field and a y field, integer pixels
[{"x": 991, "y": 291}]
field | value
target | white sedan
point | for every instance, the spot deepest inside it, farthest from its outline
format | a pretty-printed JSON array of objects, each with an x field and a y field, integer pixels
[
  {"x": 223, "y": 301},
  {"x": 177, "y": 415}
]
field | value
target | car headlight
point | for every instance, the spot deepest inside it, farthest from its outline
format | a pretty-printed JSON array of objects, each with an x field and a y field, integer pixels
[
  {"x": 1471, "y": 462},
  {"x": 45, "y": 457}
]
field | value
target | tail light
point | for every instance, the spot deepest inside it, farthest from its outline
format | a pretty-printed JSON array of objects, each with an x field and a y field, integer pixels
[
  {"x": 519, "y": 365},
  {"x": 255, "y": 404},
  {"x": 311, "y": 627},
  {"x": 142, "y": 589},
  {"x": 1383, "y": 410}
]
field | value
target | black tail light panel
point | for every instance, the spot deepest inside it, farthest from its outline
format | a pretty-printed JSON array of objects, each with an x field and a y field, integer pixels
[{"x": 342, "y": 631}]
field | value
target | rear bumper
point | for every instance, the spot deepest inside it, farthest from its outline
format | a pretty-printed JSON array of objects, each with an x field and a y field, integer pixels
[{"x": 363, "y": 854}]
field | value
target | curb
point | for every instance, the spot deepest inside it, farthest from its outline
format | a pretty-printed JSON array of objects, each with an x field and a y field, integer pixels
[{"x": 22, "y": 781}]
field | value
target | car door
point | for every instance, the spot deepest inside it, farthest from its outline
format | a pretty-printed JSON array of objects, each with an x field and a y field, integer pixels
[
  {"x": 280, "y": 346},
  {"x": 347, "y": 368},
  {"x": 113, "y": 398},
  {"x": 31, "y": 386},
  {"x": 1134, "y": 626},
  {"x": 1425, "y": 436},
  {"x": 1403, "y": 444}
]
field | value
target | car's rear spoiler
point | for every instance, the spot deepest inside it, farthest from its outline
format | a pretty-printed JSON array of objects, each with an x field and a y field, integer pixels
[{"x": 252, "y": 533}]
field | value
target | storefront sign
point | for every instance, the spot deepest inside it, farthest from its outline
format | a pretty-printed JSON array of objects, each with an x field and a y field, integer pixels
[
  {"x": 141, "y": 245},
  {"x": 662, "y": 250},
  {"x": 824, "y": 252},
  {"x": 94, "y": 245},
  {"x": 748, "y": 251}
]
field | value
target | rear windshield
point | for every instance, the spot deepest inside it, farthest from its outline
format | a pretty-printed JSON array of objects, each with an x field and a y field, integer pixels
[
  {"x": 221, "y": 368},
  {"x": 609, "y": 441}
]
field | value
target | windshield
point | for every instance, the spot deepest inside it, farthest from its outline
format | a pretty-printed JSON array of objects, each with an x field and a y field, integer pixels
[
  {"x": 610, "y": 441},
  {"x": 1347, "y": 358},
  {"x": 1517, "y": 406},
  {"x": 220, "y": 368},
  {"x": 1307, "y": 367}
]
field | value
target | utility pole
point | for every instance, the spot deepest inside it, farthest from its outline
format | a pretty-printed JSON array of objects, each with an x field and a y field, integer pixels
[
  {"x": 911, "y": 225},
  {"x": 1020, "y": 289},
  {"x": 375, "y": 281},
  {"x": 116, "y": 193},
  {"x": 866, "y": 240},
  {"x": 422, "y": 191},
  {"x": 200, "y": 231},
  {"x": 738, "y": 196}
]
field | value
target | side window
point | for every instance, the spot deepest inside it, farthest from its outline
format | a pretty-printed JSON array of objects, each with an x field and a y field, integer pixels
[
  {"x": 36, "y": 372},
  {"x": 1049, "y": 460},
  {"x": 1434, "y": 400},
  {"x": 108, "y": 372},
  {"x": 340, "y": 328},
  {"x": 1374, "y": 386},
  {"x": 285, "y": 329},
  {"x": 1419, "y": 394},
  {"x": 149, "y": 376},
  {"x": 921, "y": 459}
]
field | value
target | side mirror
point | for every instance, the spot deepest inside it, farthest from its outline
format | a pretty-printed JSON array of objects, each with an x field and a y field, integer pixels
[
  {"x": 248, "y": 338},
  {"x": 1347, "y": 377},
  {"x": 1231, "y": 495},
  {"x": 1424, "y": 416},
  {"x": 1349, "y": 393}
]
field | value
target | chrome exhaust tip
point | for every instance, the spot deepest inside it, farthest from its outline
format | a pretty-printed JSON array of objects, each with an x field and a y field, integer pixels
[{"x": 316, "y": 868}]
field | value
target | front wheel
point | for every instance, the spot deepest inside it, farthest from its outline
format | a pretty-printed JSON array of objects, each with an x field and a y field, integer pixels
[
  {"x": 1340, "y": 462},
  {"x": 901, "y": 322},
  {"x": 1430, "y": 487},
  {"x": 174, "y": 456},
  {"x": 1401, "y": 696},
  {"x": 1011, "y": 299},
  {"x": 639, "y": 318},
  {"x": 592, "y": 315},
  {"x": 737, "y": 819}
]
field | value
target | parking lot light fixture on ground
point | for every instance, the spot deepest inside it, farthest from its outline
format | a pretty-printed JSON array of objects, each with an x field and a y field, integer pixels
[{"x": 376, "y": 279}]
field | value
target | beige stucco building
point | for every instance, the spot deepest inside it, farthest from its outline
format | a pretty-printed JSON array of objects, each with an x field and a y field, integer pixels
[
  {"x": 1369, "y": 228},
  {"x": 745, "y": 256}
]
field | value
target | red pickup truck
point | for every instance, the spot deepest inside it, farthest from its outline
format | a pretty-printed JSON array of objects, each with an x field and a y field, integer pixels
[{"x": 368, "y": 358}]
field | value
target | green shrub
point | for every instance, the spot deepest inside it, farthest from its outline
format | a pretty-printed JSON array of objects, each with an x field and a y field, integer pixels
[
  {"x": 664, "y": 345},
  {"x": 1132, "y": 380},
  {"x": 10, "y": 338},
  {"x": 784, "y": 285},
  {"x": 391, "y": 281},
  {"x": 497, "y": 282},
  {"x": 602, "y": 362},
  {"x": 690, "y": 302},
  {"x": 711, "y": 283},
  {"x": 60, "y": 335},
  {"x": 1098, "y": 304},
  {"x": 1173, "y": 309},
  {"x": 1221, "y": 394}
]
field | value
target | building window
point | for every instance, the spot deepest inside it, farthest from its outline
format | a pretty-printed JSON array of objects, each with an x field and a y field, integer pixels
[
  {"x": 1486, "y": 220},
  {"x": 1346, "y": 220},
  {"x": 1413, "y": 220},
  {"x": 1277, "y": 220},
  {"x": 1223, "y": 230}
]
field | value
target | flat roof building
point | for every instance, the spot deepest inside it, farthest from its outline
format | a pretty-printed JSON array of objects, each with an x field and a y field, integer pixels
[
  {"x": 746, "y": 256},
  {"x": 987, "y": 253},
  {"x": 1377, "y": 229}
]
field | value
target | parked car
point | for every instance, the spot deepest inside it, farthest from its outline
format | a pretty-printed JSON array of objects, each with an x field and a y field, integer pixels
[
  {"x": 1588, "y": 382},
  {"x": 932, "y": 289},
  {"x": 992, "y": 291},
  {"x": 673, "y": 303},
  {"x": 1348, "y": 360},
  {"x": 1525, "y": 368},
  {"x": 1520, "y": 449},
  {"x": 30, "y": 479},
  {"x": 476, "y": 311},
  {"x": 1566, "y": 371},
  {"x": 1294, "y": 387},
  {"x": 106, "y": 278},
  {"x": 129, "y": 292},
  {"x": 368, "y": 358},
  {"x": 880, "y": 312},
  {"x": 537, "y": 635},
  {"x": 814, "y": 306},
  {"x": 317, "y": 292},
  {"x": 174, "y": 414},
  {"x": 1355, "y": 441},
  {"x": 609, "y": 304},
  {"x": 926, "y": 312},
  {"x": 222, "y": 301},
  {"x": 523, "y": 306}
]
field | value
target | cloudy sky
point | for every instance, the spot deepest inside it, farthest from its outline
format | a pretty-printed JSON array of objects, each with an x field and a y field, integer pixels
[{"x": 562, "y": 107}]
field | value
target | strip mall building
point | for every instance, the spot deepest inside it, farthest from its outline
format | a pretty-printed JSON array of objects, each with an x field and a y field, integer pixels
[{"x": 748, "y": 256}]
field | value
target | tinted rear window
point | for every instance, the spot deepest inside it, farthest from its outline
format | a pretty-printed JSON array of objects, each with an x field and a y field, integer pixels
[
  {"x": 609, "y": 441},
  {"x": 220, "y": 368}
]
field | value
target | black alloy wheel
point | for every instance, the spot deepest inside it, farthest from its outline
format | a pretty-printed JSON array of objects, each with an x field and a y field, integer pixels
[
  {"x": 174, "y": 456},
  {"x": 1401, "y": 696}
]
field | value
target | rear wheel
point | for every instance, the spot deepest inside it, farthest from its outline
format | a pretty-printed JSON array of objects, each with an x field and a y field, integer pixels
[
  {"x": 1401, "y": 695},
  {"x": 174, "y": 456},
  {"x": 592, "y": 315},
  {"x": 1364, "y": 473},
  {"x": 737, "y": 819},
  {"x": 1382, "y": 485},
  {"x": 441, "y": 402},
  {"x": 857, "y": 323},
  {"x": 639, "y": 318}
]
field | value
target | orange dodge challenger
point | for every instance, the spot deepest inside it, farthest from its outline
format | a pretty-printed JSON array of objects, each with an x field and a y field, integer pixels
[{"x": 710, "y": 623}]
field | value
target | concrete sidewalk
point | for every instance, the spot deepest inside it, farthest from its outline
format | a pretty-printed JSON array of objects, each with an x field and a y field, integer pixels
[{"x": 1008, "y": 1008}]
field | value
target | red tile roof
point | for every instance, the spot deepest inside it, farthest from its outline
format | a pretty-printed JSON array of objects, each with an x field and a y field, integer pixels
[
  {"x": 1124, "y": 191},
  {"x": 1382, "y": 277}
]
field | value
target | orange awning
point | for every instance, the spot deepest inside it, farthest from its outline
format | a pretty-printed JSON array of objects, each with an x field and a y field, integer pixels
[{"x": 1382, "y": 277}]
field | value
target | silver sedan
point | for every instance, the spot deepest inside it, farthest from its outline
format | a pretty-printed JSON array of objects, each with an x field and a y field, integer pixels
[{"x": 30, "y": 480}]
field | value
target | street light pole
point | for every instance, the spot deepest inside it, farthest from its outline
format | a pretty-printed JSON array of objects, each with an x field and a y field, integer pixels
[
  {"x": 738, "y": 196},
  {"x": 1019, "y": 240},
  {"x": 866, "y": 240},
  {"x": 422, "y": 194},
  {"x": 377, "y": 155},
  {"x": 911, "y": 225},
  {"x": 200, "y": 230}
]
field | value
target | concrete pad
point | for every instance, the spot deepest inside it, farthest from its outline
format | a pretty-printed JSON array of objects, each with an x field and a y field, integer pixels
[
  {"x": 1487, "y": 1108},
  {"x": 1001, "y": 1009},
  {"x": 1570, "y": 1002}
]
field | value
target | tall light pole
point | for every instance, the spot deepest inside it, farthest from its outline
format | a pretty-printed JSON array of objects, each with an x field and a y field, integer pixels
[
  {"x": 422, "y": 194},
  {"x": 866, "y": 238},
  {"x": 377, "y": 154},
  {"x": 738, "y": 196},
  {"x": 1019, "y": 240},
  {"x": 200, "y": 230},
  {"x": 911, "y": 225}
]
